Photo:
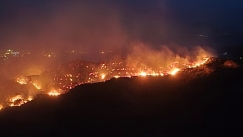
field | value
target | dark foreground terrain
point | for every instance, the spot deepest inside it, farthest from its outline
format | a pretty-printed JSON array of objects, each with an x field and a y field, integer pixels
[{"x": 205, "y": 101}]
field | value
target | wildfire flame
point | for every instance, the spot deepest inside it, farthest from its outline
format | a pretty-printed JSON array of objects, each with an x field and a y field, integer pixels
[
  {"x": 143, "y": 74},
  {"x": 25, "y": 81},
  {"x": 112, "y": 70},
  {"x": 199, "y": 63},
  {"x": 54, "y": 93},
  {"x": 18, "y": 100},
  {"x": 103, "y": 76},
  {"x": 21, "y": 80},
  {"x": 37, "y": 87},
  {"x": 174, "y": 71},
  {"x": 116, "y": 76}
]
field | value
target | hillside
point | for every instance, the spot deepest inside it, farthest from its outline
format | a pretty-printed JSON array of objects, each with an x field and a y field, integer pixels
[{"x": 198, "y": 101}]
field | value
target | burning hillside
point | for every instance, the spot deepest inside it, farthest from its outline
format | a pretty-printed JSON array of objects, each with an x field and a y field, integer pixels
[
  {"x": 142, "y": 105},
  {"x": 59, "y": 80},
  {"x": 77, "y": 72}
]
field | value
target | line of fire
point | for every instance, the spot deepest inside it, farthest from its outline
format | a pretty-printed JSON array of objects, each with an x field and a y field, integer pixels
[{"x": 61, "y": 79}]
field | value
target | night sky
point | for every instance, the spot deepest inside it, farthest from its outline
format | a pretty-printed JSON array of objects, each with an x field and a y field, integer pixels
[{"x": 109, "y": 25}]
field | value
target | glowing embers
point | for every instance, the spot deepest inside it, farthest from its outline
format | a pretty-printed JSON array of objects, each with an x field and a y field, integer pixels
[
  {"x": 55, "y": 92},
  {"x": 1, "y": 107},
  {"x": 18, "y": 100},
  {"x": 174, "y": 71},
  {"x": 91, "y": 73},
  {"x": 22, "y": 80},
  {"x": 25, "y": 81}
]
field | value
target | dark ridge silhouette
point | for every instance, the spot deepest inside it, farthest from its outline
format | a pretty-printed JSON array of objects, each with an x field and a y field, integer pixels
[{"x": 202, "y": 101}]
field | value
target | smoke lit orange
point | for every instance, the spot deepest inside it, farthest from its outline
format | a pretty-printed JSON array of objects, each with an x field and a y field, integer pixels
[{"x": 73, "y": 77}]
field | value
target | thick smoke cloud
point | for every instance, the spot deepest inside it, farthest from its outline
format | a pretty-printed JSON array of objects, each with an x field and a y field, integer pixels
[
  {"x": 86, "y": 25},
  {"x": 148, "y": 35},
  {"x": 109, "y": 25},
  {"x": 52, "y": 27},
  {"x": 144, "y": 57}
]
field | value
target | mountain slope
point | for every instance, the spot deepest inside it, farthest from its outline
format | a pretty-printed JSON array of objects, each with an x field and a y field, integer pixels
[{"x": 194, "y": 102}]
